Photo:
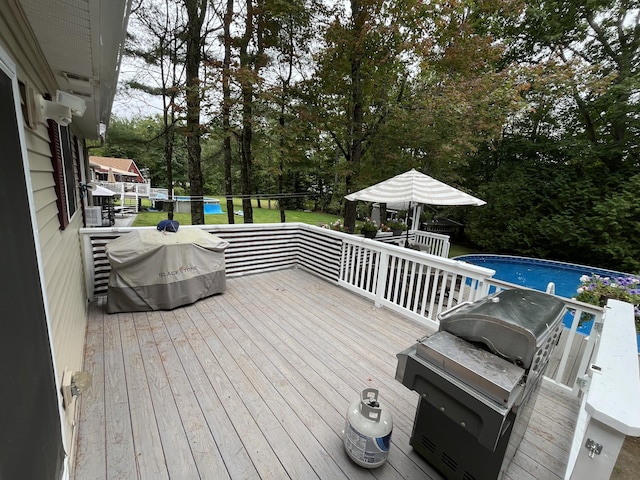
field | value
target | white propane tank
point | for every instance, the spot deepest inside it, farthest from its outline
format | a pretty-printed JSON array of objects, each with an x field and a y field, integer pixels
[{"x": 367, "y": 432}]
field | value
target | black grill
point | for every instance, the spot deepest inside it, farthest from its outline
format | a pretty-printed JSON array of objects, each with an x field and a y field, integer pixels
[{"x": 478, "y": 379}]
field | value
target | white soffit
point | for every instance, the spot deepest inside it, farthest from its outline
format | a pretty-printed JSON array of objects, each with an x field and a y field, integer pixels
[{"x": 81, "y": 41}]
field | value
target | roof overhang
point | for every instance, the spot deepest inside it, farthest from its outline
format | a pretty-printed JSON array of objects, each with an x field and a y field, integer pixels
[
  {"x": 82, "y": 42},
  {"x": 117, "y": 171}
]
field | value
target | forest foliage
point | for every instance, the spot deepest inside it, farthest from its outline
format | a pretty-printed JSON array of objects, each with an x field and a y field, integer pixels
[{"x": 529, "y": 105}]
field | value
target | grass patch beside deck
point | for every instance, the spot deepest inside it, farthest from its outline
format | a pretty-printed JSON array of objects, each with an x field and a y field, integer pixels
[{"x": 260, "y": 215}]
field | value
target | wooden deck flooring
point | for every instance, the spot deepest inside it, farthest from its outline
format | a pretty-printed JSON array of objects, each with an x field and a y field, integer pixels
[{"x": 255, "y": 383}]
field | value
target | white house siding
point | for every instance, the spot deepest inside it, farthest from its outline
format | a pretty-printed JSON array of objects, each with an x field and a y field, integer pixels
[{"x": 60, "y": 249}]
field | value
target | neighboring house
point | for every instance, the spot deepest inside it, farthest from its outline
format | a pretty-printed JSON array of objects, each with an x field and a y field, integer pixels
[
  {"x": 123, "y": 169},
  {"x": 71, "y": 46}
]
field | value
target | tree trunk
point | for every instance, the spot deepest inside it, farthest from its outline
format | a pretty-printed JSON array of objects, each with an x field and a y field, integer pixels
[
  {"x": 168, "y": 152},
  {"x": 226, "y": 111},
  {"x": 357, "y": 115},
  {"x": 247, "y": 112},
  {"x": 245, "y": 152},
  {"x": 282, "y": 141},
  {"x": 196, "y": 10}
]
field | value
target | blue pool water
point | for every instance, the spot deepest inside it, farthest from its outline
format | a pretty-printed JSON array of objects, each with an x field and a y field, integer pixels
[
  {"x": 212, "y": 209},
  {"x": 535, "y": 273}
]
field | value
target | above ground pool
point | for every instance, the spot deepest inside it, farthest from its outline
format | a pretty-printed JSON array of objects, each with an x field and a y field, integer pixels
[
  {"x": 535, "y": 273},
  {"x": 211, "y": 205}
]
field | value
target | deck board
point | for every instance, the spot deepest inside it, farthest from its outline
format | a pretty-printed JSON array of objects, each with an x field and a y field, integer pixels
[
  {"x": 120, "y": 451},
  {"x": 141, "y": 380},
  {"x": 91, "y": 452},
  {"x": 255, "y": 384}
]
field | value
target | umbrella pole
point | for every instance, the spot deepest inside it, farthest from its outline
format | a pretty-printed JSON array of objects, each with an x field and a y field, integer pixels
[{"x": 406, "y": 221}]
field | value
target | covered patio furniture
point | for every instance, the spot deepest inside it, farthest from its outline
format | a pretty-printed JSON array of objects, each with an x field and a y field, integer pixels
[{"x": 154, "y": 270}]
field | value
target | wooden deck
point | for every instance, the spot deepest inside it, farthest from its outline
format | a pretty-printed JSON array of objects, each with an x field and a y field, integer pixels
[{"x": 255, "y": 383}]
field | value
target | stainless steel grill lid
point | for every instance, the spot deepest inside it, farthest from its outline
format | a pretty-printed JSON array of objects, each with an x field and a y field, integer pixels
[{"x": 512, "y": 323}]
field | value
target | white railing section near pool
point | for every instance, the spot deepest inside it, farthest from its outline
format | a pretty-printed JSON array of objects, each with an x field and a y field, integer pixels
[
  {"x": 131, "y": 191},
  {"x": 610, "y": 407},
  {"x": 417, "y": 284},
  {"x": 158, "y": 193},
  {"x": 122, "y": 188}
]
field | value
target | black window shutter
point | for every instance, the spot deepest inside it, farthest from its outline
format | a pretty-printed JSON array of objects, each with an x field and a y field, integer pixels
[{"x": 58, "y": 174}]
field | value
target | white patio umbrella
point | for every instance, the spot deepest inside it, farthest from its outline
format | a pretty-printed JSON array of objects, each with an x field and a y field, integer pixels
[{"x": 414, "y": 187}]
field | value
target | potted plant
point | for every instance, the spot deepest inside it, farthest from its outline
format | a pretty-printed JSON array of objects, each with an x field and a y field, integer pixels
[
  {"x": 369, "y": 228},
  {"x": 396, "y": 226}
]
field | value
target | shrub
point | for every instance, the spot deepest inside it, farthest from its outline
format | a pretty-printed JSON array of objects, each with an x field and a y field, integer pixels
[{"x": 596, "y": 290}]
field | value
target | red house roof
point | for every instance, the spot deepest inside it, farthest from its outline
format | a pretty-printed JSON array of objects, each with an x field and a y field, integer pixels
[{"x": 117, "y": 164}]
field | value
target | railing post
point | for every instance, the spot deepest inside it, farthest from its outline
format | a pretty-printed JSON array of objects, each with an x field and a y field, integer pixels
[
  {"x": 382, "y": 277},
  {"x": 89, "y": 267},
  {"x": 446, "y": 246},
  {"x": 590, "y": 350},
  {"x": 609, "y": 409},
  {"x": 567, "y": 348}
]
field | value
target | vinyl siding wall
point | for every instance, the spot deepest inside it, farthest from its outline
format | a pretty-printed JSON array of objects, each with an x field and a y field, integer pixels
[{"x": 60, "y": 249}]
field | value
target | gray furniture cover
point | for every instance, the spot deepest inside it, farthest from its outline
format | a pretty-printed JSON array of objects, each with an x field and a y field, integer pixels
[{"x": 153, "y": 270}]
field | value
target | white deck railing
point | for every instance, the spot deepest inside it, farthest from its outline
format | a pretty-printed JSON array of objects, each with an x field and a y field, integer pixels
[
  {"x": 128, "y": 190},
  {"x": 157, "y": 193},
  {"x": 413, "y": 283}
]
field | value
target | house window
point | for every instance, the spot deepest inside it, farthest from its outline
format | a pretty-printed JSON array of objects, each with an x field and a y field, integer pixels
[{"x": 63, "y": 172}]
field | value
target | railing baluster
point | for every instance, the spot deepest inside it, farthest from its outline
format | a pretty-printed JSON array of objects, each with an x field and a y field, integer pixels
[
  {"x": 567, "y": 347},
  {"x": 357, "y": 270},
  {"x": 382, "y": 277},
  {"x": 413, "y": 286}
]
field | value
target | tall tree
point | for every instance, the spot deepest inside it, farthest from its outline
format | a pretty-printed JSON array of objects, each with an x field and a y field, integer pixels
[
  {"x": 397, "y": 75},
  {"x": 196, "y": 14},
  {"x": 292, "y": 26},
  {"x": 359, "y": 16},
  {"x": 226, "y": 110},
  {"x": 357, "y": 72},
  {"x": 158, "y": 42},
  {"x": 597, "y": 44},
  {"x": 247, "y": 82}
]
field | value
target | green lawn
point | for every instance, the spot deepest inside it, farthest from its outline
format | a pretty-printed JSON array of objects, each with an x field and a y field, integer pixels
[
  {"x": 260, "y": 215},
  {"x": 457, "y": 250}
]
